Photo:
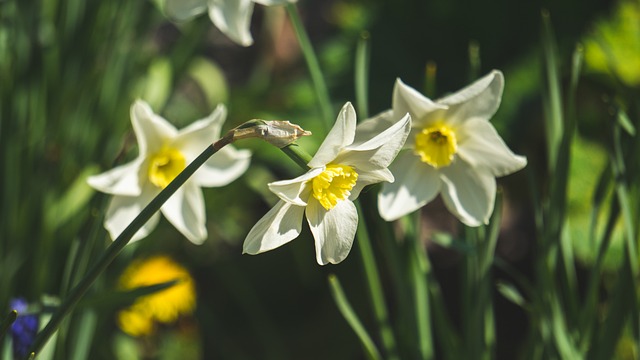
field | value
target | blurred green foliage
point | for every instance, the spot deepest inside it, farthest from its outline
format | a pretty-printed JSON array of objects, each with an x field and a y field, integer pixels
[{"x": 70, "y": 69}]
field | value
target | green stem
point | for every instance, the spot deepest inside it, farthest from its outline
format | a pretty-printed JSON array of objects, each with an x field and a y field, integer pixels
[
  {"x": 121, "y": 241},
  {"x": 350, "y": 316},
  {"x": 375, "y": 287},
  {"x": 314, "y": 66},
  {"x": 362, "y": 75},
  {"x": 419, "y": 265}
]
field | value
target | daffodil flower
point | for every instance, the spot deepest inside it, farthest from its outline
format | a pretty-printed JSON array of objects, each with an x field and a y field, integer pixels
[
  {"x": 232, "y": 17},
  {"x": 163, "y": 153},
  {"x": 453, "y": 150},
  {"x": 343, "y": 165}
]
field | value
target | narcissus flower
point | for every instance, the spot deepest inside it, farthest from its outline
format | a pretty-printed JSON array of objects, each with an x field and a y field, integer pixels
[
  {"x": 344, "y": 164},
  {"x": 164, "y": 306},
  {"x": 163, "y": 153},
  {"x": 453, "y": 150},
  {"x": 232, "y": 17}
]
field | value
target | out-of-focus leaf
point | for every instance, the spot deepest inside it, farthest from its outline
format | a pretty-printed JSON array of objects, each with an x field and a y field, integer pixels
[
  {"x": 210, "y": 79},
  {"x": 59, "y": 211},
  {"x": 511, "y": 293},
  {"x": 158, "y": 83},
  {"x": 613, "y": 48}
]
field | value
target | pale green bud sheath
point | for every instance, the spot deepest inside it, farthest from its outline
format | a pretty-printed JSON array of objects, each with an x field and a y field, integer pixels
[{"x": 285, "y": 135}]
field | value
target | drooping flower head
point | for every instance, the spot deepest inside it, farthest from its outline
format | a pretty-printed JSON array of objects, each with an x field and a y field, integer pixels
[
  {"x": 163, "y": 153},
  {"x": 232, "y": 17},
  {"x": 164, "y": 306},
  {"x": 453, "y": 150},
  {"x": 344, "y": 164},
  {"x": 23, "y": 329}
]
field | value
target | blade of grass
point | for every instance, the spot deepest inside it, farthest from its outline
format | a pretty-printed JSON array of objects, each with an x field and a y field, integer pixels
[
  {"x": 375, "y": 287},
  {"x": 362, "y": 75},
  {"x": 313, "y": 65},
  {"x": 352, "y": 319},
  {"x": 418, "y": 264}
]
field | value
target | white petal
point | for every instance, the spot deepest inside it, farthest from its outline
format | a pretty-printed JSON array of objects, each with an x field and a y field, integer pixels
[
  {"x": 181, "y": 10},
  {"x": 121, "y": 180},
  {"x": 369, "y": 178},
  {"x": 379, "y": 151},
  {"x": 279, "y": 226},
  {"x": 415, "y": 185},
  {"x": 340, "y": 136},
  {"x": 371, "y": 127},
  {"x": 408, "y": 100},
  {"x": 223, "y": 167},
  {"x": 193, "y": 139},
  {"x": 123, "y": 209},
  {"x": 185, "y": 211},
  {"x": 233, "y": 18},
  {"x": 295, "y": 191},
  {"x": 480, "y": 145},
  {"x": 469, "y": 193},
  {"x": 152, "y": 131},
  {"x": 478, "y": 100},
  {"x": 333, "y": 230}
]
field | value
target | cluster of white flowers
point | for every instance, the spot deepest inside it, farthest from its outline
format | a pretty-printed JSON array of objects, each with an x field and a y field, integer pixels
[{"x": 446, "y": 147}]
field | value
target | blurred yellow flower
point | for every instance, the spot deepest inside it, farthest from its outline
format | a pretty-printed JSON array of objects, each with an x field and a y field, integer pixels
[{"x": 164, "y": 306}]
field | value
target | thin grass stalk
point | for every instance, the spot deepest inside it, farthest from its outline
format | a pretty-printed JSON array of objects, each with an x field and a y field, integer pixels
[
  {"x": 374, "y": 285},
  {"x": 324, "y": 100},
  {"x": 418, "y": 267},
  {"x": 362, "y": 75},
  {"x": 352, "y": 319}
]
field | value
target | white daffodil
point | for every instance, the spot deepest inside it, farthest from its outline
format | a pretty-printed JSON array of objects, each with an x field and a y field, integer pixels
[
  {"x": 343, "y": 165},
  {"x": 232, "y": 17},
  {"x": 163, "y": 153},
  {"x": 453, "y": 151}
]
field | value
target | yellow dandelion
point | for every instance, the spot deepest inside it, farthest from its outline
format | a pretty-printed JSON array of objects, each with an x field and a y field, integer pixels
[{"x": 164, "y": 306}]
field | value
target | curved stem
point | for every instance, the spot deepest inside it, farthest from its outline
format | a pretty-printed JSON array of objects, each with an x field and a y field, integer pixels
[{"x": 375, "y": 287}]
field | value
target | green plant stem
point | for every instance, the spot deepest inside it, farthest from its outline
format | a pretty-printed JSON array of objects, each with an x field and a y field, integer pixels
[
  {"x": 314, "y": 66},
  {"x": 362, "y": 75},
  {"x": 350, "y": 316},
  {"x": 375, "y": 287},
  {"x": 121, "y": 241},
  {"x": 419, "y": 267}
]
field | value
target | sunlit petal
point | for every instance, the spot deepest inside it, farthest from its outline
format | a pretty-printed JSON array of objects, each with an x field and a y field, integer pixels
[
  {"x": 415, "y": 185},
  {"x": 123, "y": 209},
  {"x": 469, "y": 193},
  {"x": 185, "y": 211},
  {"x": 480, "y": 145},
  {"x": 333, "y": 230},
  {"x": 193, "y": 139},
  {"x": 408, "y": 100},
  {"x": 370, "y": 178},
  {"x": 152, "y": 131},
  {"x": 295, "y": 191},
  {"x": 181, "y": 10},
  {"x": 340, "y": 136},
  {"x": 233, "y": 19},
  {"x": 478, "y": 100},
  {"x": 121, "y": 180},
  {"x": 279, "y": 226},
  {"x": 379, "y": 151},
  {"x": 223, "y": 167}
]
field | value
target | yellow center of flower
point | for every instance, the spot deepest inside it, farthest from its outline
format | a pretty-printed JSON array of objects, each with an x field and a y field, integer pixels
[
  {"x": 334, "y": 184},
  {"x": 165, "y": 165},
  {"x": 436, "y": 145}
]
